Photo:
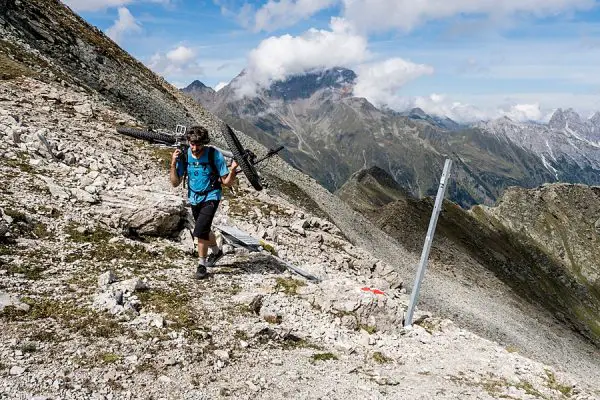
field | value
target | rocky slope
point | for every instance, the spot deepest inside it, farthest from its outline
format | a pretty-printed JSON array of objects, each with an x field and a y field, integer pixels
[
  {"x": 542, "y": 242},
  {"x": 82, "y": 197},
  {"x": 97, "y": 302}
]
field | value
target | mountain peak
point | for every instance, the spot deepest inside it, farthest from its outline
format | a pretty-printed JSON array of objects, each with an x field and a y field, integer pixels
[
  {"x": 595, "y": 119},
  {"x": 418, "y": 112},
  {"x": 305, "y": 85},
  {"x": 197, "y": 85},
  {"x": 561, "y": 118},
  {"x": 201, "y": 93}
]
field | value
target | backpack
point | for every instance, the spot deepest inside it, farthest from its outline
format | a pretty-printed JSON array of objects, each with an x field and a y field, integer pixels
[{"x": 215, "y": 183}]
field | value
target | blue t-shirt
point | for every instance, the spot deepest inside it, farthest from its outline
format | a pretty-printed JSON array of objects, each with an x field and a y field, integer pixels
[{"x": 198, "y": 172}]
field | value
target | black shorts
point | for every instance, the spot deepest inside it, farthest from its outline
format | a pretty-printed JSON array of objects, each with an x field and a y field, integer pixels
[{"x": 203, "y": 215}]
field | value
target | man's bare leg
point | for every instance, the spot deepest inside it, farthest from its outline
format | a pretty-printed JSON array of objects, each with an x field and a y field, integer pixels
[{"x": 204, "y": 245}]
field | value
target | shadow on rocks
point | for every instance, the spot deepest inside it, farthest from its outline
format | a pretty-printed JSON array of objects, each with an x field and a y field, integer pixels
[{"x": 258, "y": 265}]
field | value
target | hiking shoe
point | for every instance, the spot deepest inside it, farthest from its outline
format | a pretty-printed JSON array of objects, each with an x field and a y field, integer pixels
[
  {"x": 212, "y": 259},
  {"x": 201, "y": 272}
]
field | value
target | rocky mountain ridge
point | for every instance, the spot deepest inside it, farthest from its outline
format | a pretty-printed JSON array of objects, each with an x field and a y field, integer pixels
[
  {"x": 90, "y": 201},
  {"x": 568, "y": 146},
  {"x": 312, "y": 113},
  {"x": 331, "y": 134}
]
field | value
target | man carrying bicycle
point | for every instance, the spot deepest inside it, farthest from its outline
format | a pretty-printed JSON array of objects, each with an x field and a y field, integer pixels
[{"x": 206, "y": 172}]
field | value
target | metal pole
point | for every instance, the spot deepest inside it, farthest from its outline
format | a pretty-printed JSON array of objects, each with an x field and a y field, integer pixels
[{"x": 428, "y": 240}]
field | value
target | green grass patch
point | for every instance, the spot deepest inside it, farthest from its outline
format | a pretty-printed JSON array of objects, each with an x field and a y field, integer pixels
[
  {"x": 31, "y": 270},
  {"x": 380, "y": 358},
  {"x": 323, "y": 357},
  {"x": 28, "y": 347},
  {"x": 241, "y": 335},
  {"x": 512, "y": 349},
  {"x": 136, "y": 257},
  {"x": 291, "y": 342},
  {"x": 553, "y": 383},
  {"x": 174, "y": 305},
  {"x": 16, "y": 215},
  {"x": 40, "y": 230},
  {"x": 268, "y": 247},
  {"x": 173, "y": 252},
  {"x": 7, "y": 250},
  {"x": 370, "y": 329},
  {"x": 288, "y": 286},
  {"x": 21, "y": 162},
  {"x": 273, "y": 319},
  {"x": 109, "y": 358},
  {"x": 42, "y": 335},
  {"x": 79, "y": 320},
  {"x": 87, "y": 236}
]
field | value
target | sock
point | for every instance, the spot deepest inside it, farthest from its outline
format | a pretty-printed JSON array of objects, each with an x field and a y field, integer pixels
[
  {"x": 215, "y": 249},
  {"x": 202, "y": 260}
]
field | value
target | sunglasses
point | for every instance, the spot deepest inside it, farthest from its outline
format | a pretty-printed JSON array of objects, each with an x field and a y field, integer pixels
[{"x": 196, "y": 143}]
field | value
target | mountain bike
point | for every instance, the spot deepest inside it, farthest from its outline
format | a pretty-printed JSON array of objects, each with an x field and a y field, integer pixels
[{"x": 245, "y": 158}]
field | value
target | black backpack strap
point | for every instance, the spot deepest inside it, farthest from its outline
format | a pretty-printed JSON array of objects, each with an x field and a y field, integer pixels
[
  {"x": 215, "y": 178},
  {"x": 184, "y": 158}
]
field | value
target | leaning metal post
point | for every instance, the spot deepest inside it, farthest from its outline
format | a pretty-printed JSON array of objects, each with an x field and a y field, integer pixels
[{"x": 428, "y": 240}]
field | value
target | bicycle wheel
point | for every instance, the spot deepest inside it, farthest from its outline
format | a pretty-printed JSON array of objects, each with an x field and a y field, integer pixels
[
  {"x": 241, "y": 157},
  {"x": 145, "y": 135}
]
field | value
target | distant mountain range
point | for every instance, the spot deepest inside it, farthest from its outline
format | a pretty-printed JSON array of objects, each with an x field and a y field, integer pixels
[{"x": 330, "y": 134}]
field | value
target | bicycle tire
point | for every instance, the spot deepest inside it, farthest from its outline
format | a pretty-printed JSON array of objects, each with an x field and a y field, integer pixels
[
  {"x": 239, "y": 154},
  {"x": 145, "y": 135}
]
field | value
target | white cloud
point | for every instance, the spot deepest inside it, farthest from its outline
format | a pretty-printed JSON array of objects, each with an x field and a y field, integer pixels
[
  {"x": 525, "y": 112},
  {"x": 220, "y": 86},
  {"x": 284, "y": 13},
  {"x": 181, "y": 55},
  {"x": 380, "y": 15},
  {"x": 95, "y": 5},
  {"x": 179, "y": 63},
  {"x": 487, "y": 109},
  {"x": 438, "y": 104},
  {"x": 380, "y": 82},
  {"x": 125, "y": 24},
  {"x": 276, "y": 58}
]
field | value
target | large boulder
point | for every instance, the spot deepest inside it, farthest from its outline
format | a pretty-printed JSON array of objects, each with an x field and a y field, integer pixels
[
  {"x": 144, "y": 211},
  {"x": 357, "y": 305}
]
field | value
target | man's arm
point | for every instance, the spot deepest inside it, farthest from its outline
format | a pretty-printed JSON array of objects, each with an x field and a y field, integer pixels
[
  {"x": 229, "y": 179},
  {"x": 173, "y": 175}
]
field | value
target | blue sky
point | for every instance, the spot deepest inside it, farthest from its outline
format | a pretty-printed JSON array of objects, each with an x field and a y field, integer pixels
[{"x": 467, "y": 59}]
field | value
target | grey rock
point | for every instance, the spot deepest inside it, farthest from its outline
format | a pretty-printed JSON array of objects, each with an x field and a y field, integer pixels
[
  {"x": 146, "y": 212},
  {"x": 85, "y": 196},
  {"x": 84, "y": 109},
  {"x": 12, "y": 300},
  {"x": 132, "y": 285},
  {"x": 222, "y": 354},
  {"x": 16, "y": 370},
  {"x": 107, "y": 278}
]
